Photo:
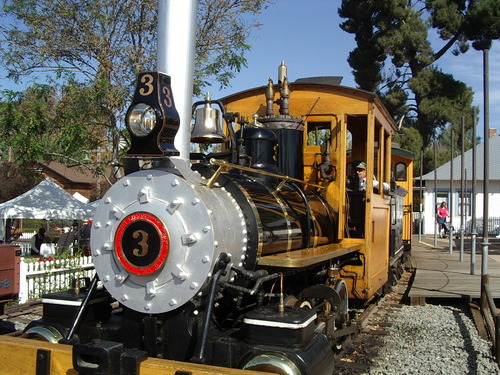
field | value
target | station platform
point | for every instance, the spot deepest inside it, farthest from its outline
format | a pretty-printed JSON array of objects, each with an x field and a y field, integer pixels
[{"x": 439, "y": 274}]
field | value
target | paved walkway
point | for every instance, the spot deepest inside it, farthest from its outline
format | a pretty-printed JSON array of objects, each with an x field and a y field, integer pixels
[{"x": 440, "y": 274}]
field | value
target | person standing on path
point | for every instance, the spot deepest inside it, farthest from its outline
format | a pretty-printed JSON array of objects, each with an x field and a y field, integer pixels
[{"x": 441, "y": 215}]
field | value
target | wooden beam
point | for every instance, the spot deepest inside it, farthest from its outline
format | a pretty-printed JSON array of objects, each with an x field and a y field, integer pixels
[{"x": 18, "y": 356}]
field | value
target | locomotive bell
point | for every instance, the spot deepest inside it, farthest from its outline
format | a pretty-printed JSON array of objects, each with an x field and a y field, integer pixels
[{"x": 208, "y": 125}]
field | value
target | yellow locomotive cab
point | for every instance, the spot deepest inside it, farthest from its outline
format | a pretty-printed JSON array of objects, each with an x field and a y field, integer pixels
[{"x": 342, "y": 125}]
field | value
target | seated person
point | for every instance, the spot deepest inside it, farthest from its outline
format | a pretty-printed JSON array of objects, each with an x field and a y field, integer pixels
[
  {"x": 357, "y": 181},
  {"x": 36, "y": 242},
  {"x": 356, "y": 186},
  {"x": 361, "y": 173}
]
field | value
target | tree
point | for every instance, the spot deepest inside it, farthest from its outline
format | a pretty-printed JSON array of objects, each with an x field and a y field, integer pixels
[
  {"x": 221, "y": 39},
  {"x": 369, "y": 21},
  {"x": 37, "y": 124},
  {"x": 19, "y": 180},
  {"x": 98, "y": 47},
  {"x": 405, "y": 74}
]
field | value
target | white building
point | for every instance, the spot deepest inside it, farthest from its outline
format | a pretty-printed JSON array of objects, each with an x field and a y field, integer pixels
[{"x": 443, "y": 187}]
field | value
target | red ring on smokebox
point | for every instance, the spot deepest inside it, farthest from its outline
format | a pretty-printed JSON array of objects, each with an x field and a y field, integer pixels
[{"x": 152, "y": 226}]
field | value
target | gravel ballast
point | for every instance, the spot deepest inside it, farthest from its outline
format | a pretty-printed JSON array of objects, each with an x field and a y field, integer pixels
[{"x": 433, "y": 339}]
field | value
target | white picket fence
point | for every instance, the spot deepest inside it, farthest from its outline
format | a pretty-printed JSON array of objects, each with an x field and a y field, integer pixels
[
  {"x": 46, "y": 276},
  {"x": 25, "y": 248}
]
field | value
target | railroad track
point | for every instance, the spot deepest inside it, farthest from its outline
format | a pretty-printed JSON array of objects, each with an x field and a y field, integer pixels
[
  {"x": 373, "y": 323},
  {"x": 356, "y": 353},
  {"x": 16, "y": 317}
]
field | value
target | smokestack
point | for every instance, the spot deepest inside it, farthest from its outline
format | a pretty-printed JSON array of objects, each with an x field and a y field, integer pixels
[{"x": 176, "y": 51}]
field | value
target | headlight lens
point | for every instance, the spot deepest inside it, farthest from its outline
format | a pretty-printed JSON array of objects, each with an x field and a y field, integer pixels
[{"x": 142, "y": 120}]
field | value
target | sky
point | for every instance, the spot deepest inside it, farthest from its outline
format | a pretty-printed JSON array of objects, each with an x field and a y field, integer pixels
[{"x": 306, "y": 35}]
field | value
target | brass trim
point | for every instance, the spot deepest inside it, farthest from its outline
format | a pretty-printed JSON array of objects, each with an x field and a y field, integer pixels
[
  {"x": 253, "y": 206},
  {"x": 214, "y": 177},
  {"x": 286, "y": 217},
  {"x": 223, "y": 164}
]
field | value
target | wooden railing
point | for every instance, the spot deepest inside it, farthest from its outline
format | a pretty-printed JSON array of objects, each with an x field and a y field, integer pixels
[{"x": 490, "y": 316}]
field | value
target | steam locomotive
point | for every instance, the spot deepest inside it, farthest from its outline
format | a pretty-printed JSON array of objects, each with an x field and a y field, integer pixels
[{"x": 253, "y": 253}]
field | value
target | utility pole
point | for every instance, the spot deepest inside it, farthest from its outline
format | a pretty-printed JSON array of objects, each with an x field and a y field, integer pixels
[
  {"x": 436, "y": 226},
  {"x": 462, "y": 191},
  {"x": 473, "y": 206},
  {"x": 450, "y": 206},
  {"x": 486, "y": 177}
]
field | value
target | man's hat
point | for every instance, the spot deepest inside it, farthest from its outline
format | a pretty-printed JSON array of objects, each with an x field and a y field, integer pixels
[{"x": 361, "y": 166}]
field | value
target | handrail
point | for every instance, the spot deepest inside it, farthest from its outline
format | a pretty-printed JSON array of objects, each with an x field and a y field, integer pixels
[
  {"x": 225, "y": 165},
  {"x": 490, "y": 316}
]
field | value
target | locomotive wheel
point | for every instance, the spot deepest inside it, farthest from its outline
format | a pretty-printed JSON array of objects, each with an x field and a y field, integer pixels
[
  {"x": 42, "y": 332},
  {"x": 272, "y": 362},
  {"x": 387, "y": 288}
]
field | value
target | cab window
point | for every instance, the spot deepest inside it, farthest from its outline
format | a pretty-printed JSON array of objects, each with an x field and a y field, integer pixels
[
  {"x": 318, "y": 133},
  {"x": 400, "y": 172}
]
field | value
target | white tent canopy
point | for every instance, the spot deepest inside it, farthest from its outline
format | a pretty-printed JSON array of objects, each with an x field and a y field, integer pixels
[{"x": 47, "y": 200}]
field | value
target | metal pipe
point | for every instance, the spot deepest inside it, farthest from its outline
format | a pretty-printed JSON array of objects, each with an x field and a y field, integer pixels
[
  {"x": 462, "y": 191},
  {"x": 486, "y": 177},
  {"x": 81, "y": 310},
  {"x": 176, "y": 51},
  {"x": 257, "y": 286},
  {"x": 199, "y": 355},
  {"x": 436, "y": 226},
  {"x": 473, "y": 207},
  {"x": 420, "y": 198},
  {"x": 450, "y": 206}
]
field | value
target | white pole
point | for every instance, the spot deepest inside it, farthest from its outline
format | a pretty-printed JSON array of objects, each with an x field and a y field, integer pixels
[
  {"x": 23, "y": 283},
  {"x": 176, "y": 51}
]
